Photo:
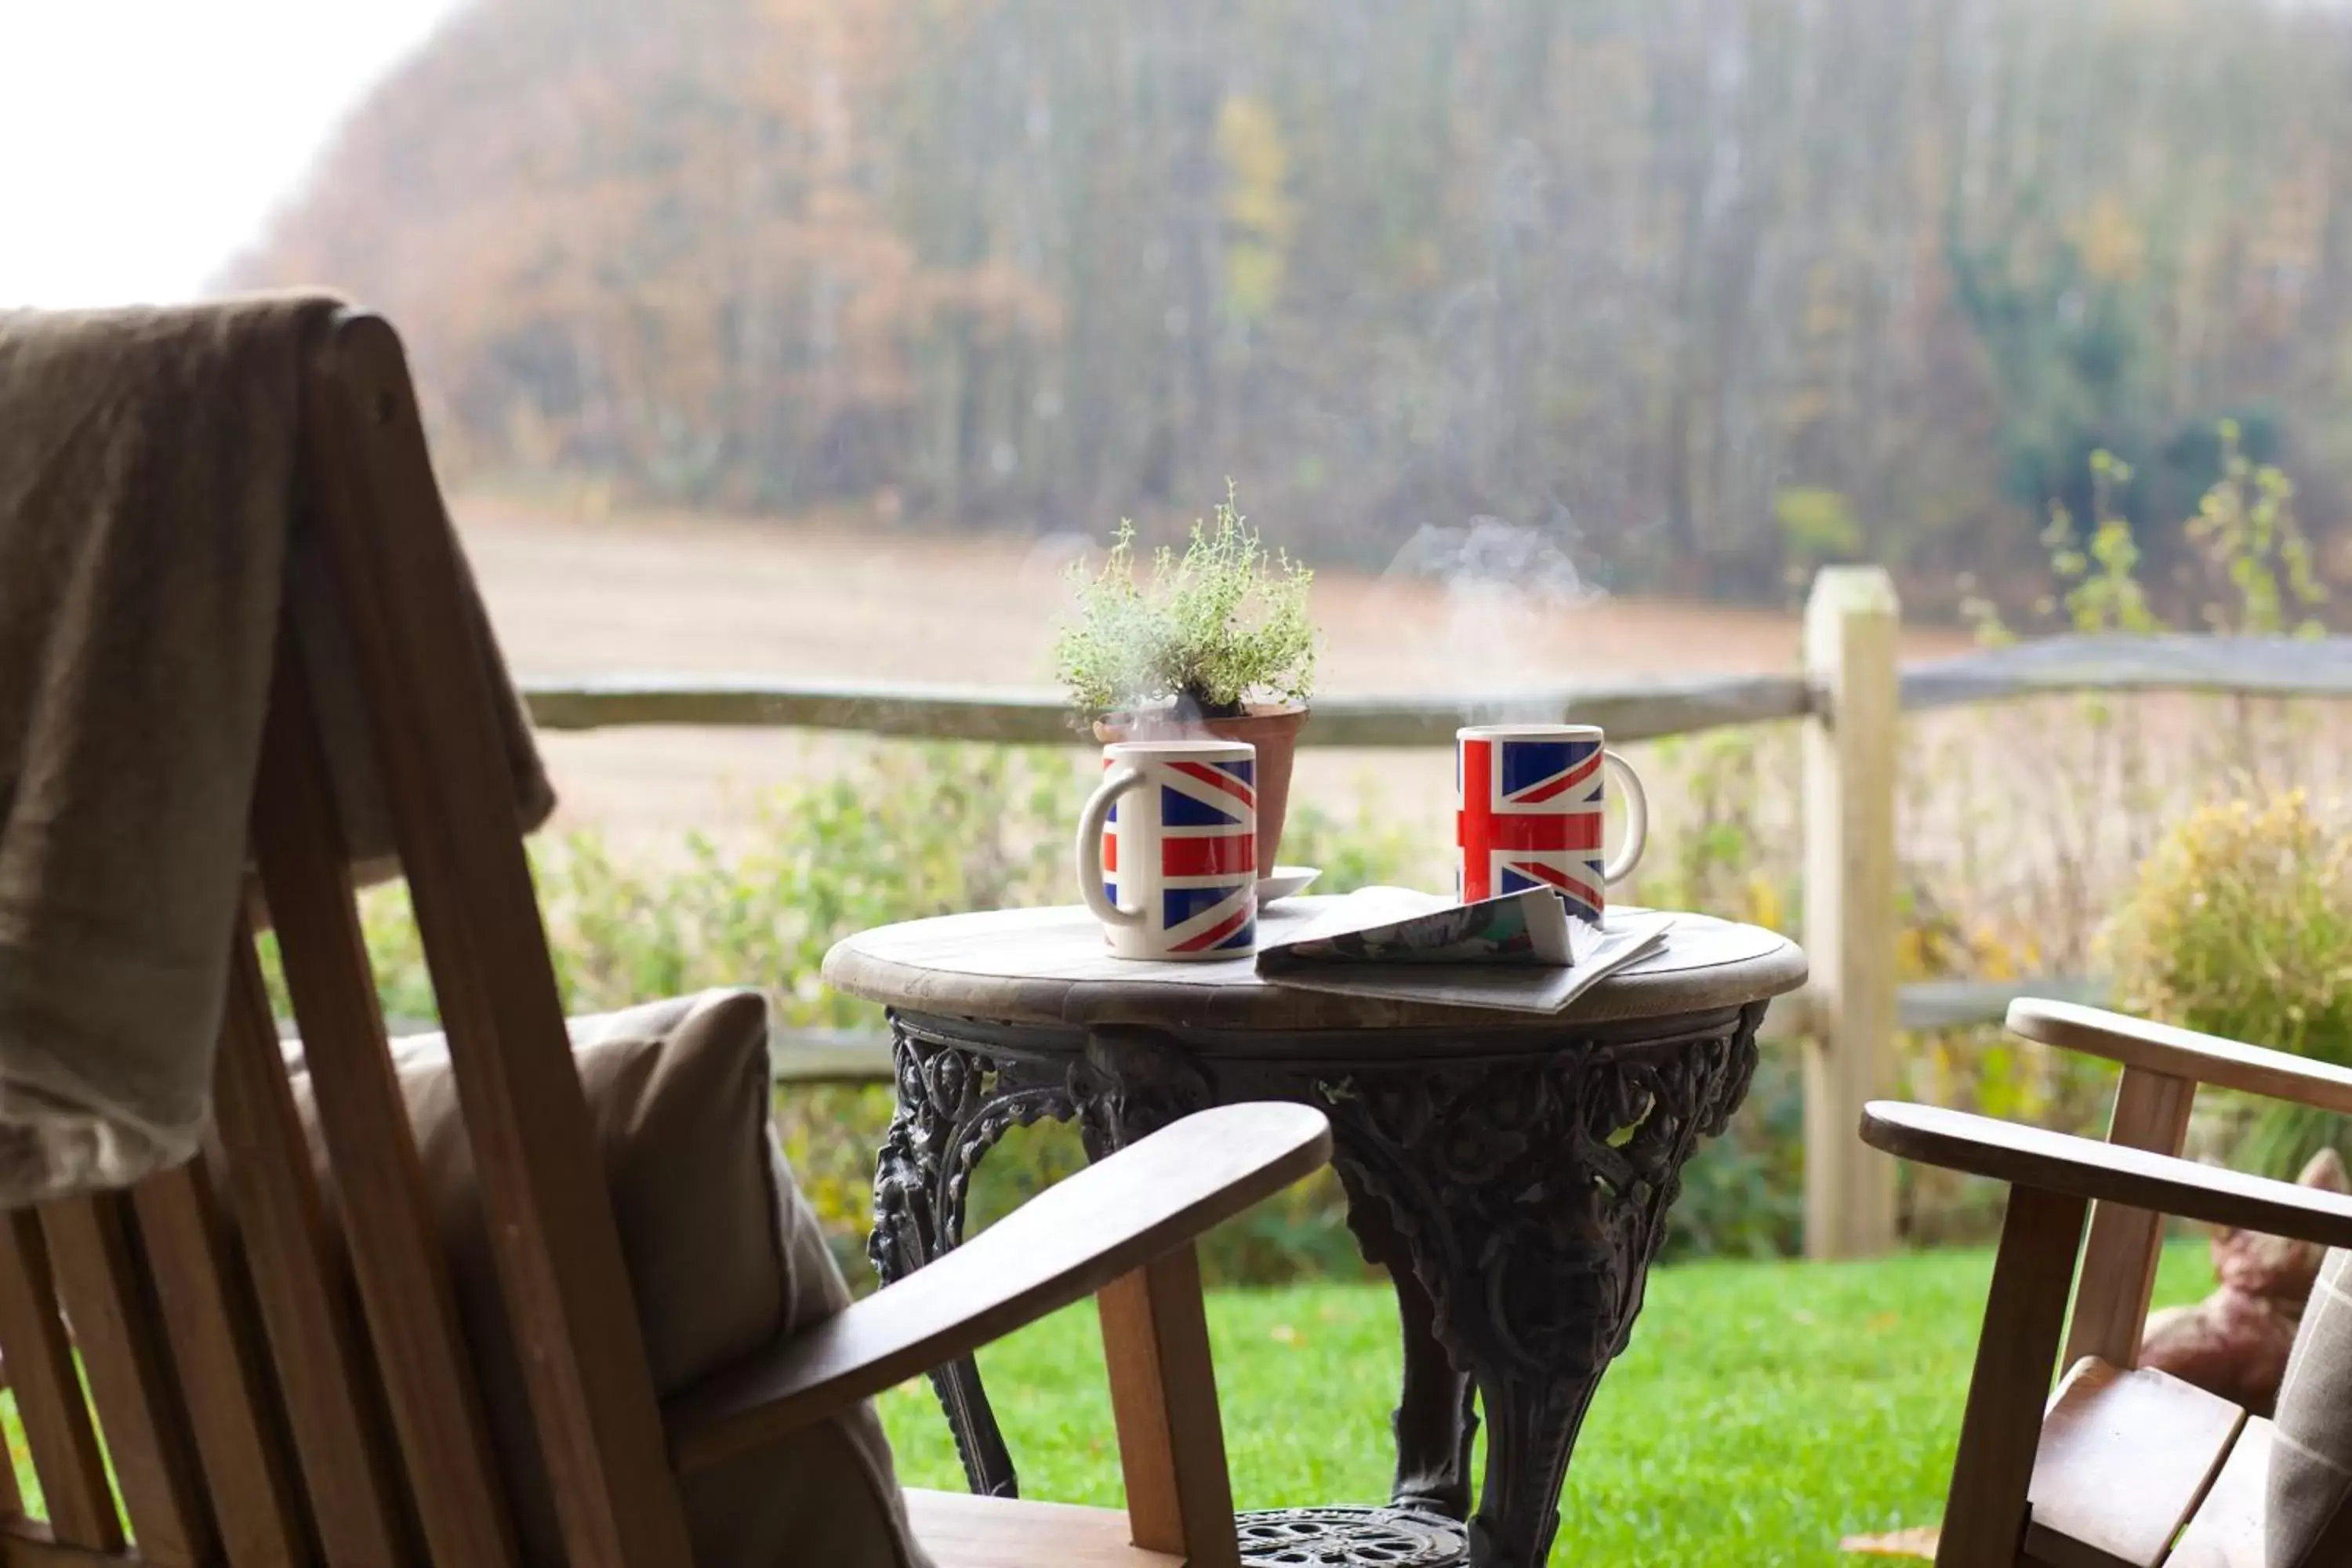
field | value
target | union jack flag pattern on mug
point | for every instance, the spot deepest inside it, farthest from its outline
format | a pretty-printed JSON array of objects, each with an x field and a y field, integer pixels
[
  {"x": 1531, "y": 818},
  {"x": 1532, "y": 802},
  {"x": 1168, "y": 849},
  {"x": 1208, "y": 855}
]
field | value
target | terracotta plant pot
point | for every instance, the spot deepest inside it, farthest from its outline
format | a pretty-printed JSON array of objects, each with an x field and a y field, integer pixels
[{"x": 1273, "y": 730}]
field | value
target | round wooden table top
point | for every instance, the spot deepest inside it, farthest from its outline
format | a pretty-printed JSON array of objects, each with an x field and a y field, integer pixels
[{"x": 1049, "y": 966}]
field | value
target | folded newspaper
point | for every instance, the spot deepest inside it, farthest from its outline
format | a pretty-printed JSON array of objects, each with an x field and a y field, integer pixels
[{"x": 1521, "y": 952}]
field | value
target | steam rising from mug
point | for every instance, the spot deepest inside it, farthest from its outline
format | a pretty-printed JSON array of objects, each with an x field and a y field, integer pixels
[{"x": 1503, "y": 587}]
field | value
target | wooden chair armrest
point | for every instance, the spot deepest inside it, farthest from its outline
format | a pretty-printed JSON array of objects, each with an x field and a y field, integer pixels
[
  {"x": 1060, "y": 1247},
  {"x": 2106, "y": 1172},
  {"x": 2182, "y": 1053}
]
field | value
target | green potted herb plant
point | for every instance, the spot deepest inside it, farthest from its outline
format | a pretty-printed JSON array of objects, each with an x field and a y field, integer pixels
[{"x": 1214, "y": 641}]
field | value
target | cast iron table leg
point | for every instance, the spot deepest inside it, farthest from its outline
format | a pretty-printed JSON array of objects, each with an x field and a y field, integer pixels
[
  {"x": 1435, "y": 1418},
  {"x": 954, "y": 1103},
  {"x": 1531, "y": 1198}
]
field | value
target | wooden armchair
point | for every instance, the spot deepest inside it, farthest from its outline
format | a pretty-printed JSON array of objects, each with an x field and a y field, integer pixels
[
  {"x": 2120, "y": 1466},
  {"x": 258, "y": 1412}
]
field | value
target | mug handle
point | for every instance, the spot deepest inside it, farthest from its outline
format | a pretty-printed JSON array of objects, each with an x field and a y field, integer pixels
[
  {"x": 1637, "y": 819},
  {"x": 1091, "y": 823}
]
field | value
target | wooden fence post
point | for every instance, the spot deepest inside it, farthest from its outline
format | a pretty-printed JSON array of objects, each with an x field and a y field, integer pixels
[{"x": 1852, "y": 623}]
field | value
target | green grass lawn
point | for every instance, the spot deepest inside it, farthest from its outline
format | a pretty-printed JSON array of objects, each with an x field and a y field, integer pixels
[{"x": 1762, "y": 1411}]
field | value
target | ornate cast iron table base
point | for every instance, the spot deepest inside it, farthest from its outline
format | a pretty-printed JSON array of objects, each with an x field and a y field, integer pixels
[
  {"x": 1514, "y": 1183},
  {"x": 1350, "y": 1538}
]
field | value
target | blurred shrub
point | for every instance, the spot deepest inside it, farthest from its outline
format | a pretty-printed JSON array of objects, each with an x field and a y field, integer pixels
[
  {"x": 2241, "y": 925},
  {"x": 1368, "y": 845},
  {"x": 1818, "y": 525},
  {"x": 1744, "y": 1194},
  {"x": 1728, "y": 846},
  {"x": 908, "y": 831}
]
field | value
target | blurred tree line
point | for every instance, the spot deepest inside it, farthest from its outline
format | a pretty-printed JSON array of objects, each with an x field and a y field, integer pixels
[{"x": 1717, "y": 288}]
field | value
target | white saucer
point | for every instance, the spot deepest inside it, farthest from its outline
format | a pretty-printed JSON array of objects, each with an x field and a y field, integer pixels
[{"x": 1285, "y": 881}]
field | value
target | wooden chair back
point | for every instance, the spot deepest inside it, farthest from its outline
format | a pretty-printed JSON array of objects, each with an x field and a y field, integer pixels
[{"x": 257, "y": 1410}]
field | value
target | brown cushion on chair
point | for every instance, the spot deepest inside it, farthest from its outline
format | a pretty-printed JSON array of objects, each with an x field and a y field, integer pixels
[
  {"x": 723, "y": 1256},
  {"x": 2311, "y": 1452}
]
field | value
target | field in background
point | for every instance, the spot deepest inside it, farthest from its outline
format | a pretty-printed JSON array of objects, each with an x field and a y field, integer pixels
[{"x": 576, "y": 594}]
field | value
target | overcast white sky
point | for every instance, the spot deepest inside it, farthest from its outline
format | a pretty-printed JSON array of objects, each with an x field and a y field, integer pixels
[{"x": 144, "y": 142}]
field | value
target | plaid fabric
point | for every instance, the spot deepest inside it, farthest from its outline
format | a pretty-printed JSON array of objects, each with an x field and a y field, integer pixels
[{"x": 2311, "y": 1453}]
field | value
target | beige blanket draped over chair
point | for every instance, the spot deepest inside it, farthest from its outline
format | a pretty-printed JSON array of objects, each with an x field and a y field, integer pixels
[{"x": 149, "y": 497}]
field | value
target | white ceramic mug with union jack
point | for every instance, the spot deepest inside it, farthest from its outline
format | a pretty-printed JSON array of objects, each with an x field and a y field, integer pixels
[
  {"x": 1168, "y": 849},
  {"x": 1532, "y": 799}
]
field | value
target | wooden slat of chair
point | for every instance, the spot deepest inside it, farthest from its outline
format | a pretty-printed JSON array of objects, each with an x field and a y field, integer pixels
[
  {"x": 12, "y": 1497},
  {"x": 48, "y": 1391},
  {"x": 2179, "y": 1053},
  {"x": 1163, "y": 1391},
  {"x": 2036, "y": 1158},
  {"x": 101, "y": 1284},
  {"x": 333, "y": 1408},
  {"x": 2125, "y": 1458},
  {"x": 2119, "y": 1278},
  {"x": 965, "y": 1531},
  {"x": 1985, "y": 1514},
  {"x": 399, "y": 588},
  {"x": 32, "y": 1545},
  {"x": 217, "y": 1353},
  {"x": 395, "y": 1245},
  {"x": 2228, "y": 1530}
]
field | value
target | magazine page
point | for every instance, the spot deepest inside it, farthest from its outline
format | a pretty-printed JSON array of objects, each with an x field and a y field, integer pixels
[
  {"x": 1401, "y": 945},
  {"x": 1397, "y": 925}
]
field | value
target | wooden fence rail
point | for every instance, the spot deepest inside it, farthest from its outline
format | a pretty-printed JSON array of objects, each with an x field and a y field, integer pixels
[
  {"x": 1629, "y": 710},
  {"x": 2245, "y": 667},
  {"x": 1847, "y": 696}
]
